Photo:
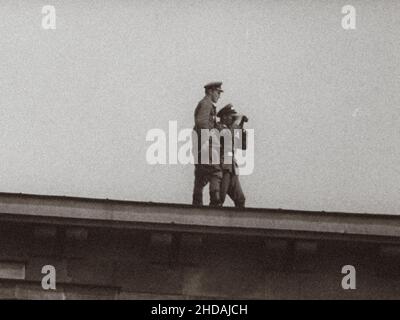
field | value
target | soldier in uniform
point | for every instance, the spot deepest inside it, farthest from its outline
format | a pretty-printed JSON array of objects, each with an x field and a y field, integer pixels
[
  {"x": 205, "y": 118},
  {"x": 230, "y": 183}
]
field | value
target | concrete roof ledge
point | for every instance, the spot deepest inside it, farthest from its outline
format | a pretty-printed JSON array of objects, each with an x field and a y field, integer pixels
[{"x": 179, "y": 217}]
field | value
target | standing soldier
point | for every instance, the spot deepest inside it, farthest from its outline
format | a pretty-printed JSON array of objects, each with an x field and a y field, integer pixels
[
  {"x": 205, "y": 118},
  {"x": 230, "y": 183}
]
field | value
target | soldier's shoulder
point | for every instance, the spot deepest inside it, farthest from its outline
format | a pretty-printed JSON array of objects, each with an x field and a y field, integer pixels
[{"x": 205, "y": 102}]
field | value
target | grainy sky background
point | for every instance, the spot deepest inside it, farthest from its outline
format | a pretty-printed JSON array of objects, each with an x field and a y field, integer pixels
[{"x": 76, "y": 102}]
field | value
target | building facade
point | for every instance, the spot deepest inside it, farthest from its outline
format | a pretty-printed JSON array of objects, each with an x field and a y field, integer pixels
[{"x": 107, "y": 249}]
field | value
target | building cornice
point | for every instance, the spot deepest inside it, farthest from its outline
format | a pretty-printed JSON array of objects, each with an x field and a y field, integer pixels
[{"x": 90, "y": 212}]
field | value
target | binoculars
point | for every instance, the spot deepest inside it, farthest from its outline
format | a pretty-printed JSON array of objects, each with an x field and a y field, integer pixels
[{"x": 240, "y": 119}]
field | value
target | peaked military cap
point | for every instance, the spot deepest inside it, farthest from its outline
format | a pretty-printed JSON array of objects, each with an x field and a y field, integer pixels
[
  {"x": 228, "y": 109},
  {"x": 214, "y": 85}
]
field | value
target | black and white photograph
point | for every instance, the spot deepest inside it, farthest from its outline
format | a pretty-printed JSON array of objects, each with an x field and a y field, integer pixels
[{"x": 184, "y": 150}]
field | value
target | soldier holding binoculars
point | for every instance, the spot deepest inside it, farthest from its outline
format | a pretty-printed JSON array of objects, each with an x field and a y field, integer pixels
[{"x": 230, "y": 184}]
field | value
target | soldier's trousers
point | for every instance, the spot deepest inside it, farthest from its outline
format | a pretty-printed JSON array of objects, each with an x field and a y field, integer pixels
[
  {"x": 204, "y": 174},
  {"x": 230, "y": 185}
]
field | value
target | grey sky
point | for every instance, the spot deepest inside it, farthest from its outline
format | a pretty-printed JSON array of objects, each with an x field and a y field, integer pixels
[{"x": 76, "y": 102}]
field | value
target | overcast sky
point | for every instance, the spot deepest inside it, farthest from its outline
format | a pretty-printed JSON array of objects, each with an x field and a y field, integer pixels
[{"x": 77, "y": 102}]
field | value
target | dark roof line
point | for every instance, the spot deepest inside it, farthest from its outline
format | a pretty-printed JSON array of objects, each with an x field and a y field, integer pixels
[{"x": 180, "y": 205}]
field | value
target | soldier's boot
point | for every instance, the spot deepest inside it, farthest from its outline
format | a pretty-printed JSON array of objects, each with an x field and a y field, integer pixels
[
  {"x": 215, "y": 200},
  {"x": 197, "y": 199},
  {"x": 240, "y": 204}
]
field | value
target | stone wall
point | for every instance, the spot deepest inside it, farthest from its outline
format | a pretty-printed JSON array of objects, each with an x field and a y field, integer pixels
[{"x": 122, "y": 263}]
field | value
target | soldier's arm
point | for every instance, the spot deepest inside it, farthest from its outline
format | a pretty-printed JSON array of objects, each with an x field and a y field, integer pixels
[{"x": 203, "y": 116}]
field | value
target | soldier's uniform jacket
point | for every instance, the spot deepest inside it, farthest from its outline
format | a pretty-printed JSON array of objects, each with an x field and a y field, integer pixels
[
  {"x": 205, "y": 114},
  {"x": 205, "y": 117},
  {"x": 227, "y": 150}
]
